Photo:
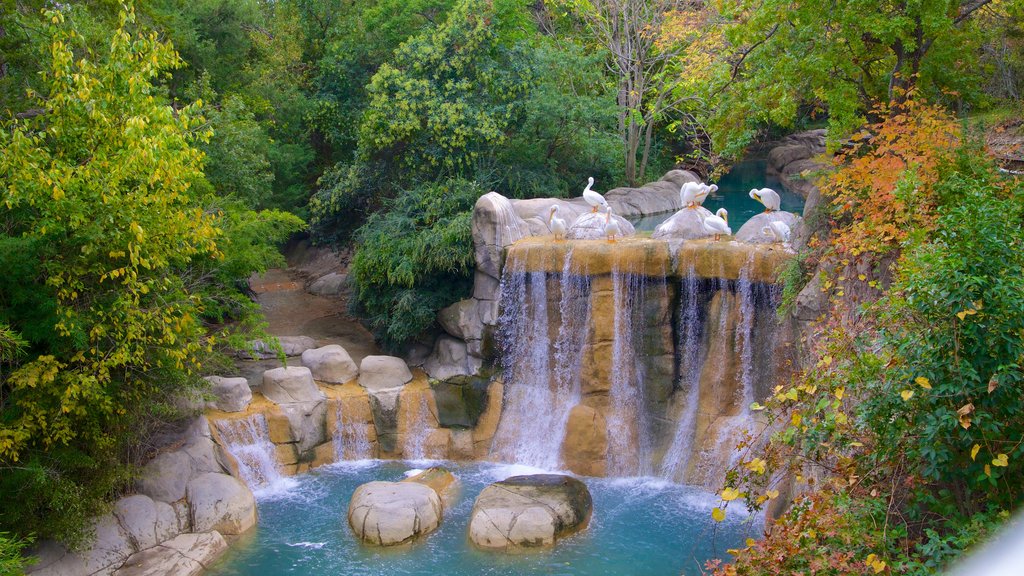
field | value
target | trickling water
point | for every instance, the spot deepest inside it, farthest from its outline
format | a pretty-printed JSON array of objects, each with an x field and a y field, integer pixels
[
  {"x": 248, "y": 441},
  {"x": 418, "y": 425},
  {"x": 629, "y": 436},
  {"x": 677, "y": 458},
  {"x": 351, "y": 441},
  {"x": 538, "y": 395},
  {"x": 744, "y": 337}
]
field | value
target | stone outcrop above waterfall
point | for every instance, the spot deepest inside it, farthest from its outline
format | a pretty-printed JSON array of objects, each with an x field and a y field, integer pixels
[
  {"x": 708, "y": 258},
  {"x": 533, "y": 511},
  {"x": 591, "y": 226},
  {"x": 231, "y": 394},
  {"x": 330, "y": 364},
  {"x": 498, "y": 223},
  {"x": 686, "y": 224},
  {"x": 391, "y": 513},
  {"x": 451, "y": 358},
  {"x": 753, "y": 230},
  {"x": 382, "y": 372},
  {"x": 290, "y": 384}
]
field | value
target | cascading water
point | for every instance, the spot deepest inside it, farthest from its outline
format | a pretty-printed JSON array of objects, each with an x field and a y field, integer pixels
[
  {"x": 629, "y": 435},
  {"x": 541, "y": 379},
  {"x": 417, "y": 428},
  {"x": 351, "y": 441},
  {"x": 248, "y": 441},
  {"x": 677, "y": 457}
]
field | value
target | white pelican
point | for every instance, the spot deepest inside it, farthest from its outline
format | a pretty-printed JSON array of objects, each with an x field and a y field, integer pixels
[
  {"x": 718, "y": 224},
  {"x": 705, "y": 192},
  {"x": 688, "y": 194},
  {"x": 593, "y": 198},
  {"x": 777, "y": 230},
  {"x": 556, "y": 224},
  {"x": 770, "y": 198},
  {"x": 611, "y": 227}
]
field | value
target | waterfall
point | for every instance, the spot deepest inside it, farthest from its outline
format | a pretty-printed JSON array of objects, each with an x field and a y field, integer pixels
[
  {"x": 629, "y": 436},
  {"x": 248, "y": 441},
  {"x": 539, "y": 392},
  {"x": 417, "y": 423},
  {"x": 677, "y": 457},
  {"x": 351, "y": 442}
]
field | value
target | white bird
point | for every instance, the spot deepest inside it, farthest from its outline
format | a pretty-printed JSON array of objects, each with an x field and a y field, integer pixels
[
  {"x": 593, "y": 198},
  {"x": 777, "y": 230},
  {"x": 770, "y": 198},
  {"x": 611, "y": 227},
  {"x": 718, "y": 224},
  {"x": 705, "y": 192},
  {"x": 555, "y": 224}
]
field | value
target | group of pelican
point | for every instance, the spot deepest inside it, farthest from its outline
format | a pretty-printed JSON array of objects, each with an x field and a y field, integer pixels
[
  {"x": 692, "y": 196},
  {"x": 559, "y": 227}
]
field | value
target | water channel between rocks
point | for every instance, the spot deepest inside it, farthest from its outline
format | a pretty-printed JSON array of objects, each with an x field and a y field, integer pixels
[{"x": 640, "y": 526}]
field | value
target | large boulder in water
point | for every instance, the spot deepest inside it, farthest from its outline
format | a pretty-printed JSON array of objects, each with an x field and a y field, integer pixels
[
  {"x": 752, "y": 232},
  {"x": 590, "y": 226},
  {"x": 687, "y": 224},
  {"x": 390, "y": 513},
  {"x": 529, "y": 512}
]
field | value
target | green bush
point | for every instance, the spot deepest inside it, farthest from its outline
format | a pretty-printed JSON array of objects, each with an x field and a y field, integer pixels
[{"x": 414, "y": 258}]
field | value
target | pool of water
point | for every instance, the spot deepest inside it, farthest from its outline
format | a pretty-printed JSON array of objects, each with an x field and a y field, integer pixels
[
  {"x": 733, "y": 195},
  {"x": 640, "y": 526}
]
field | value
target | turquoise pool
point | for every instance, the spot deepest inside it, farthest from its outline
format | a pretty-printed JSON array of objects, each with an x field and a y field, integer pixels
[{"x": 640, "y": 526}]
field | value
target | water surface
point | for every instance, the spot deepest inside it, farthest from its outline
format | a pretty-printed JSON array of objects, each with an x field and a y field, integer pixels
[{"x": 640, "y": 526}]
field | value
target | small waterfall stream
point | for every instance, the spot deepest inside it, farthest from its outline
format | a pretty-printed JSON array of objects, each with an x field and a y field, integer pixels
[
  {"x": 417, "y": 428},
  {"x": 248, "y": 442},
  {"x": 351, "y": 442}
]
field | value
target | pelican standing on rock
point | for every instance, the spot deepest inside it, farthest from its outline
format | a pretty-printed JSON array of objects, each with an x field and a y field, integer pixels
[
  {"x": 593, "y": 198},
  {"x": 556, "y": 224},
  {"x": 611, "y": 227},
  {"x": 704, "y": 193},
  {"x": 770, "y": 198},
  {"x": 778, "y": 230},
  {"x": 689, "y": 192},
  {"x": 718, "y": 224}
]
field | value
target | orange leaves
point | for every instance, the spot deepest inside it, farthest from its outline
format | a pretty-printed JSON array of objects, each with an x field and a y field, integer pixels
[{"x": 964, "y": 415}]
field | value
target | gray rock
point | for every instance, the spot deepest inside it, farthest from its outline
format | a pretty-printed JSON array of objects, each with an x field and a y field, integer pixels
[
  {"x": 811, "y": 302},
  {"x": 308, "y": 421},
  {"x": 332, "y": 284},
  {"x": 753, "y": 230},
  {"x": 451, "y": 358},
  {"x": 290, "y": 384},
  {"x": 495, "y": 226},
  {"x": 389, "y": 513},
  {"x": 529, "y": 512},
  {"x": 204, "y": 456},
  {"x": 590, "y": 226},
  {"x": 780, "y": 156},
  {"x": 383, "y": 372},
  {"x": 461, "y": 320},
  {"x": 185, "y": 555},
  {"x": 232, "y": 394},
  {"x": 222, "y": 503},
  {"x": 686, "y": 224},
  {"x": 166, "y": 476},
  {"x": 296, "y": 345},
  {"x": 331, "y": 364},
  {"x": 146, "y": 521},
  {"x": 110, "y": 548}
]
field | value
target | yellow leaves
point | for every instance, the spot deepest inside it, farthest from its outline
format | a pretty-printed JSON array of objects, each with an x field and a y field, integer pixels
[
  {"x": 841, "y": 418},
  {"x": 974, "y": 451},
  {"x": 757, "y": 466},
  {"x": 730, "y": 494},
  {"x": 718, "y": 514},
  {"x": 907, "y": 395},
  {"x": 1001, "y": 460},
  {"x": 750, "y": 542},
  {"x": 757, "y": 407},
  {"x": 796, "y": 419},
  {"x": 923, "y": 382},
  {"x": 875, "y": 563},
  {"x": 964, "y": 415},
  {"x": 839, "y": 392}
]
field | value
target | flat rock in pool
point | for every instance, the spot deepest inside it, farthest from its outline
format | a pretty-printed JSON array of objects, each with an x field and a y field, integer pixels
[
  {"x": 524, "y": 512},
  {"x": 391, "y": 513}
]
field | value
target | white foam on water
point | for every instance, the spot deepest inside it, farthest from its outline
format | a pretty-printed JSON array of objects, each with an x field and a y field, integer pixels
[
  {"x": 307, "y": 545},
  {"x": 412, "y": 472}
]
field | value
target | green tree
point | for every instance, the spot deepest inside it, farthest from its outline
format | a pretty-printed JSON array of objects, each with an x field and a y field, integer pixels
[{"x": 115, "y": 241}]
